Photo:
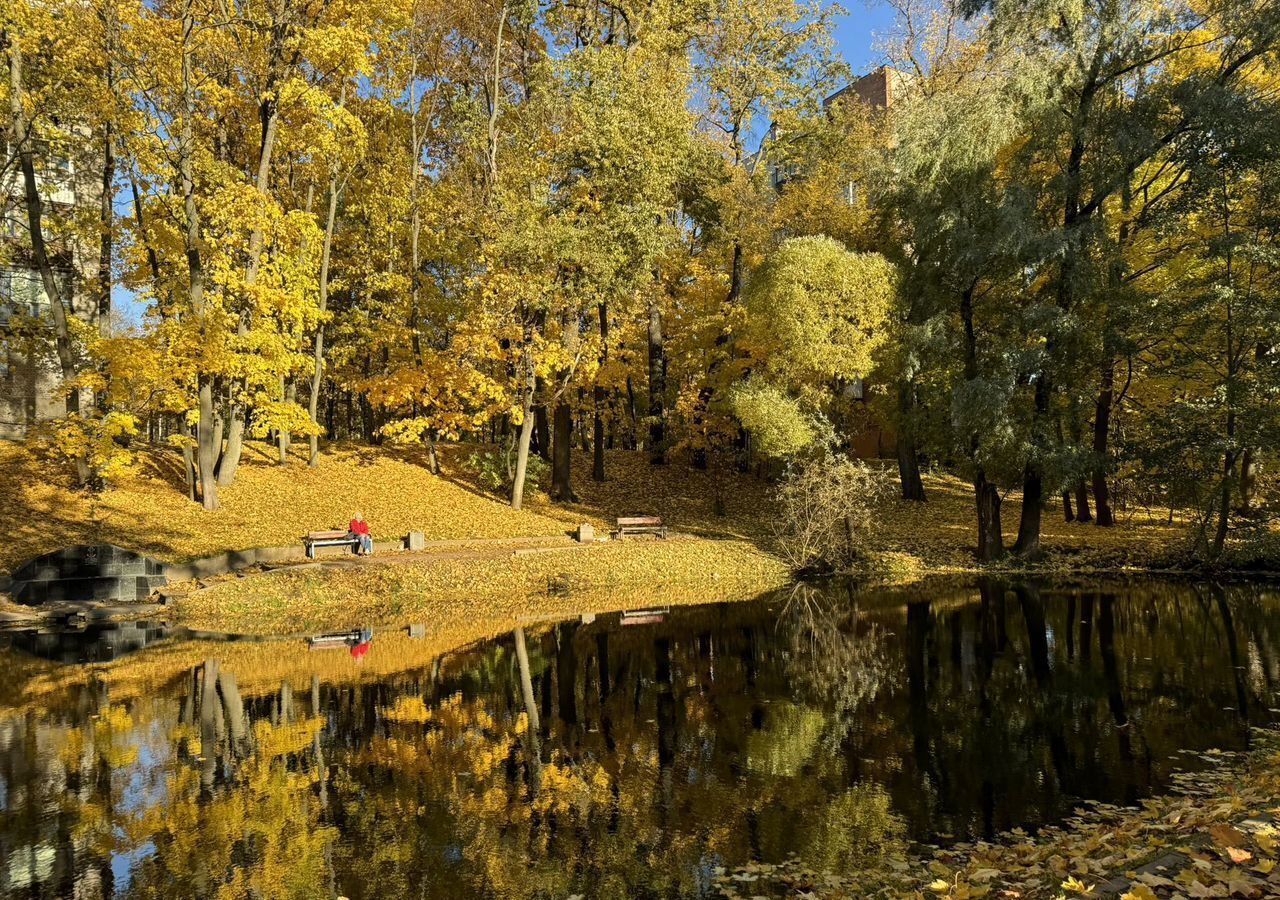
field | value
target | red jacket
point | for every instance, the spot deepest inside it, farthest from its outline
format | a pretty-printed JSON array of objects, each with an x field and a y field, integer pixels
[{"x": 359, "y": 527}]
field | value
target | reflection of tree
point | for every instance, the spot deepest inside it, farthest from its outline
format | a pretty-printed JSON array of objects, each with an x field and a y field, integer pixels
[
  {"x": 836, "y": 655},
  {"x": 616, "y": 762}
]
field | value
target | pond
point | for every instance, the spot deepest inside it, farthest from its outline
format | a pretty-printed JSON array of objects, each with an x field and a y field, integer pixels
[{"x": 612, "y": 755}]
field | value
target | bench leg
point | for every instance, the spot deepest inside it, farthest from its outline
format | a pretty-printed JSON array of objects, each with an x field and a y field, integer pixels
[{"x": 311, "y": 551}]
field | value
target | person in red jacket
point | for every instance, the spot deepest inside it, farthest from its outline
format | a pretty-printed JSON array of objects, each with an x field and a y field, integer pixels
[{"x": 359, "y": 529}]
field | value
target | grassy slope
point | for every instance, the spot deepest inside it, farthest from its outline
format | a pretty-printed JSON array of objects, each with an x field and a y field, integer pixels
[
  {"x": 273, "y": 505},
  {"x": 270, "y": 505}
]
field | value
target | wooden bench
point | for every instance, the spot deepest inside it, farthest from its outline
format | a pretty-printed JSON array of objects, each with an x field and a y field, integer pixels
[
  {"x": 641, "y": 525},
  {"x": 315, "y": 539}
]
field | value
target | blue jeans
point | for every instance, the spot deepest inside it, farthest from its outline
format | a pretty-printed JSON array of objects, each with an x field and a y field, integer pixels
[{"x": 366, "y": 543}]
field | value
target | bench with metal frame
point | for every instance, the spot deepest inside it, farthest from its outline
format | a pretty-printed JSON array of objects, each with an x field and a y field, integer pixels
[{"x": 315, "y": 539}]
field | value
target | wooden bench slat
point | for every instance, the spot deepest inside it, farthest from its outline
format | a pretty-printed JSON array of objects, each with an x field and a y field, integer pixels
[{"x": 325, "y": 535}]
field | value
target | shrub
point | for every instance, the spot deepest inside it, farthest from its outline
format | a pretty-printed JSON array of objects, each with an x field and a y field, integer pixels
[
  {"x": 827, "y": 509},
  {"x": 495, "y": 471}
]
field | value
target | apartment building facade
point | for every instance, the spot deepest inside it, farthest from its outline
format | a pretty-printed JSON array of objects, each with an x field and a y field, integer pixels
[{"x": 29, "y": 372}]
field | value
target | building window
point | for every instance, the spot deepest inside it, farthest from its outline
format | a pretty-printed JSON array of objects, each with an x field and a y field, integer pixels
[{"x": 22, "y": 293}]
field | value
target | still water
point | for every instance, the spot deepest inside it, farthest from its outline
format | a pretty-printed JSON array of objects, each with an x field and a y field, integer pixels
[{"x": 610, "y": 756}]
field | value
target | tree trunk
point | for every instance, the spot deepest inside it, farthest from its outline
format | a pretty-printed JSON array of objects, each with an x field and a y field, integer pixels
[
  {"x": 59, "y": 306},
  {"x": 908, "y": 453},
  {"x": 1101, "y": 435},
  {"x": 207, "y": 438},
  {"x": 597, "y": 438},
  {"x": 1248, "y": 480},
  {"x": 1224, "y": 499},
  {"x": 986, "y": 494},
  {"x": 317, "y": 372},
  {"x": 1028, "y": 542},
  {"x": 562, "y": 453},
  {"x": 990, "y": 537},
  {"x": 526, "y": 431},
  {"x": 543, "y": 428},
  {"x": 1082, "y": 502},
  {"x": 657, "y": 386},
  {"x": 1067, "y": 511}
]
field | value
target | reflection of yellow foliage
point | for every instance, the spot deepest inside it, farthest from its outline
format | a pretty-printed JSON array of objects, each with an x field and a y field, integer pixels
[
  {"x": 290, "y": 737},
  {"x": 408, "y": 709}
]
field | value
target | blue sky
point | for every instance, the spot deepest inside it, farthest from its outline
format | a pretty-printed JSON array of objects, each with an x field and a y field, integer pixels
[{"x": 857, "y": 30}]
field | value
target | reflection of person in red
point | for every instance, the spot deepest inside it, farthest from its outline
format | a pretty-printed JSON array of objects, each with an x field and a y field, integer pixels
[
  {"x": 359, "y": 529},
  {"x": 360, "y": 643}
]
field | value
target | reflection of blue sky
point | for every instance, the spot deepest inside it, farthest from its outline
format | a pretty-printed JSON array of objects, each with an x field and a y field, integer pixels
[
  {"x": 147, "y": 785},
  {"x": 123, "y": 864}
]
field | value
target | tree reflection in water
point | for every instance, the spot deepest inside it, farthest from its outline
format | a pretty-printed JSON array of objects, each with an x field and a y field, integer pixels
[{"x": 619, "y": 760}]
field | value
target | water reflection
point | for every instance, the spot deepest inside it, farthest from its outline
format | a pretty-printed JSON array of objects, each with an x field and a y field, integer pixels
[{"x": 589, "y": 757}]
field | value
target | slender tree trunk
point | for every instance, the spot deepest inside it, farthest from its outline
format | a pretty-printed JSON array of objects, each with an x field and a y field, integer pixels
[
  {"x": 908, "y": 452},
  {"x": 59, "y": 305},
  {"x": 986, "y": 495},
  {"x": 1248, "y": 480},
  {"x": 207, "y": 438},
  {"x": 269, "y": 117},
  {"x": 657, "y": 386},
  {"x": 1228, "y": 485},
  {"x": 1101, "y": 435},
  {"x": 526, "y": 428},
  {"x": 106, "y": 222},
  {"x": 1067, "y": 512},
  {"x": 600, "y": 398},
  {"x": 317, "y": 372}
]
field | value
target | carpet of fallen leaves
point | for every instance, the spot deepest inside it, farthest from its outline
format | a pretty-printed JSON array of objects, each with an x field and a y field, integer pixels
[
  {"x": 1213, "y": 835},
  {"x": 504, "y": 591},
  {"x": 273, "y": 505}
]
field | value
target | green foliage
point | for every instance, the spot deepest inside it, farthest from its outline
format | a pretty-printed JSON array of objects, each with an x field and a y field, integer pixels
[
  {"x": 777, "y": 422},
  {"x": 493, "y": 469}
]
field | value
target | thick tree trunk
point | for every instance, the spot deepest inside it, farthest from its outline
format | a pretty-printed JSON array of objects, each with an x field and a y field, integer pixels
[
  {"x": 990, "y": 537},
  {"x": 908, "y": 452},
  {"x": 229, "y": 461},
  {"x": 562, "y": 453},
  {"x": 1101, "y": 436},
  {"x": 657, "y": 386},
  {"x": 1082, "y": 502},
  {"x": 1028, "y": 542},
  {"x": 542, "y": 426}
]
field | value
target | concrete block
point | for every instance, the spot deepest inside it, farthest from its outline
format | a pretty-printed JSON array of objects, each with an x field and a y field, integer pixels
[
  {"x": 417, "y": 632},
  {"x": 416, "y": 541},
  {"x": 586, "y": 533}
]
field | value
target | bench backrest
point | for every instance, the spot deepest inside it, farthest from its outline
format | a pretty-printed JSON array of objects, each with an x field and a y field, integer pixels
[
  {"x": 624, "y": 521},
  {"x": 325, "y": 535}
]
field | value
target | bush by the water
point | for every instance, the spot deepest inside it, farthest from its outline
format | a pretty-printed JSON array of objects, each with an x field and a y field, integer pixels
[{"x": 827, "y": 508}]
